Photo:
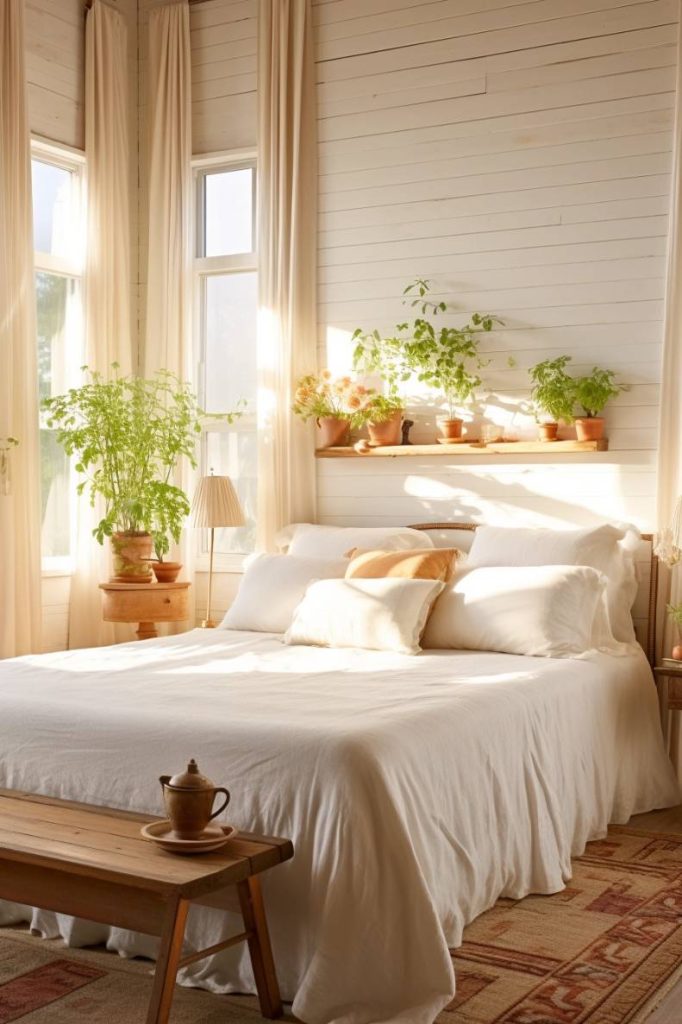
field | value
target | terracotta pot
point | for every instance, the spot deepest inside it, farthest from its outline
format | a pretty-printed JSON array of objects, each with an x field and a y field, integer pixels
[
  {"x": 677, "y": 652},
  {"x": 548, "y": 431},
  {"x": 589, "y": 428},
  {"x": 450, "y": 428},
  {"x": 388, "y": 432},
  {"x": 132, "y": 555},
  {"x": 166, "y": 572},
  {"x": 332, "y": 432}
]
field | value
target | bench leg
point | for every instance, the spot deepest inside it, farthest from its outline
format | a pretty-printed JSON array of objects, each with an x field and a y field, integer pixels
[
  {"x": 253, "y": 912},
  {"x": 167, "y": 963}
]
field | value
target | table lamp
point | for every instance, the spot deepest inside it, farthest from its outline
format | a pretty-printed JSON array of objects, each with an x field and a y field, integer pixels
[{"x": 215, "y": 504}]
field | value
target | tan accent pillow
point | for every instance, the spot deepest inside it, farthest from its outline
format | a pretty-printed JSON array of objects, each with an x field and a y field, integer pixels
[{"x": 415, "y": 564}]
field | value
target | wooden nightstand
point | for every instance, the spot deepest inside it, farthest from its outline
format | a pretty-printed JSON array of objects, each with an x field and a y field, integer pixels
[
  {"x": 670, "y": 692},
  {"x": 145, "y": 603}
]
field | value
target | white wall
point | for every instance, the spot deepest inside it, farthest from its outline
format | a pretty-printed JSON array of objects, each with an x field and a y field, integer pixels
[{"x": 517, "y": 154}]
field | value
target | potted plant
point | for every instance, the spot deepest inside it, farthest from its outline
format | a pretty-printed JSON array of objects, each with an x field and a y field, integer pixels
[
  {"x": 553, "y": 394},
  {"x": 388, "y": 358},
  {"x": 447, "y": 359},
  {"x": 592, "y": 392},
  {"x": 128, "y": 435},
  {"x": 336, "y": 405},
  {"x": 675, "y": 614}
]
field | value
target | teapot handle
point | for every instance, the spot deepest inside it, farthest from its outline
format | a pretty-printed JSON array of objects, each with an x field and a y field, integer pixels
[
  {"x": 222, "y": 807},
  {"x": 164, "y": 780}
]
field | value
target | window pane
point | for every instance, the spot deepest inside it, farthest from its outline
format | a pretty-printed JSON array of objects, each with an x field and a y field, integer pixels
[
  {"x": 52, "y": 209},
  {"x": 59, "y": 356},
  {"x": 233, "y": 453},
  {"x": 230, "y": 354},
  {"x": 228, "y": 226}
]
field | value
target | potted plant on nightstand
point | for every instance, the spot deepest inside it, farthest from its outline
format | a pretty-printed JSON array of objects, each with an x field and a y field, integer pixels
[
  {"x": 128, "y": 435},
  {"x": 448, "y": 359},
  {"x": 592, "y": 392},
  {"x": 553, "y": 394},
  {"x": 336, "y": 405}
]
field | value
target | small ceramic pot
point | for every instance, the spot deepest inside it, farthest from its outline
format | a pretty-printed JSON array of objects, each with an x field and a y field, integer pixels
[
  {"x": 677, "y": 652},
  {"x": 388, "y": 432},
  {"x": 166, "y": 572},
  {"x": 189, "y": 797},
  {"x": 132, "y": 555},
  {"x": 589, "y": 428},
  {"x": 451, "y": 429},
  {"x": 332, "y": 432},
  {"x": 548, "y": 431}
]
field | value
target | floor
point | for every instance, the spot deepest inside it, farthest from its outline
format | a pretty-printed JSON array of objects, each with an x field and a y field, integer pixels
[{"x": 670, "y": 1010}]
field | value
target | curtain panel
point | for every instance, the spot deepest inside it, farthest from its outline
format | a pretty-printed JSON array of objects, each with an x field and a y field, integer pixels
[
  {"x": 168, "y": 337},
  {"x": 108, "y": 325},
  {"x": 287, "y": 258},
  {"x": 20, "y": 510}
]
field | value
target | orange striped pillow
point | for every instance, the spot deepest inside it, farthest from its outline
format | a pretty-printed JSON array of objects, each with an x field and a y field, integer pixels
[{"x": 414, "y": 564}]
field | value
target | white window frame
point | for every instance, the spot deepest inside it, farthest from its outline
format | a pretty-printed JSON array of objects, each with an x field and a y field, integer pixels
[
  {"x": 204, "y": 267},
  {"x": 72, "y": 160}
]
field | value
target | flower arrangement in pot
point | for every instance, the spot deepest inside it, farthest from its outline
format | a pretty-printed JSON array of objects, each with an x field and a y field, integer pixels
[
  {"x": 128, "y": 434},
  {"x": 592, "y": 392},
  {"x": 447, "y": 359},
  {"x": 553, "y": 395},
  {"x": 335, "y": 403}
]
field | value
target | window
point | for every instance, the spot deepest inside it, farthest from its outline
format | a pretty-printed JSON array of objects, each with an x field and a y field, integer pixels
[
  {"x": 226, "y": 289},
  {"x": 58, "y": 243}
]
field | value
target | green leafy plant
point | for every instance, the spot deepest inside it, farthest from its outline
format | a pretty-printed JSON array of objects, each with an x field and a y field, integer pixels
[
  {"x": 447, "y": 359},
  {"x": 553, "y": 389},
  {"x": 592, "y": 392},
  {"x": 128, "y": 434},
  {"x": 675, "y": 614},
  {"x": 6, "y": 445},
  {"x": 319, "y": 395},
  {"x": 382, "y": 407}
]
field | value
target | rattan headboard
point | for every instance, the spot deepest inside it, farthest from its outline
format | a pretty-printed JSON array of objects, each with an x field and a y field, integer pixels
[{"x": 644, "y": 611}]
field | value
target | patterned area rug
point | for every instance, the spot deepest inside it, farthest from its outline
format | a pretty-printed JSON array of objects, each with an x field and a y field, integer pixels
[{"x": 603, "y": 951}]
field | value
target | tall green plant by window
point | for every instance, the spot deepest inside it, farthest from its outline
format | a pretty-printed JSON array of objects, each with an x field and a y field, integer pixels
[{"x": 128, "y": 435}]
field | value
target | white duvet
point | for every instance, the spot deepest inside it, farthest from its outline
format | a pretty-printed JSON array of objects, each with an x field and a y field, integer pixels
[{"x": 417, "y": 790}]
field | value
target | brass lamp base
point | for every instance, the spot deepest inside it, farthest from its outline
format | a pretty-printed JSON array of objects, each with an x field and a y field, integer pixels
[{"x": 207, "y": 624}]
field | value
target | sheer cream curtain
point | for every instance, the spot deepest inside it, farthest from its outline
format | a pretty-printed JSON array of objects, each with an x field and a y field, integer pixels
[
  {"x": 287, "y": 212},
  {"x": 108, "y": 325},
  {"x": 168, "y": 336},
  {"x": 20, "y": 604},
  {"x": 670, "y": 432}
]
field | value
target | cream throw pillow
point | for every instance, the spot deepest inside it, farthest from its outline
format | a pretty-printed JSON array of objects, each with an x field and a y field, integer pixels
[
  {"x": 379, "y": 614},
  {"x": 418, "y": 564}
]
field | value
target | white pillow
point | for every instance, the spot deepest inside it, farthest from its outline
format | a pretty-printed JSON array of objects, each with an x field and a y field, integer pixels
[
  {"x": 311, "y": 541},
  {"x": 272, "y": 587},
  {"x": 609, "y": 549},
  {"x": 549, "y": 611},
  {"x": 387, "y": 614}
]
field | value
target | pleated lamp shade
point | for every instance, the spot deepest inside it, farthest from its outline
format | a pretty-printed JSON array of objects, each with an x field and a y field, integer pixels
[{"x": 216, "y": 503}]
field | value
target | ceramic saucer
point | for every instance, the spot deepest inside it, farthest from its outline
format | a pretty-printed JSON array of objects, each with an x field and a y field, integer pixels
[{"x": 213, "y": 837}]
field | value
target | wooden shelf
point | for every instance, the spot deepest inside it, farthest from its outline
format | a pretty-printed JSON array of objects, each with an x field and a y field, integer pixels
[{"x": 468, "y": 448}]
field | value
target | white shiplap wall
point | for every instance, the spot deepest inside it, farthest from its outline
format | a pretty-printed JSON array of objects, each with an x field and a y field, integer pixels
[{"x": 519, "y": 156}]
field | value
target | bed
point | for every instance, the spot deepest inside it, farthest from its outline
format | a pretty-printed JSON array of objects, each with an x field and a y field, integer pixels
[{"x": 417, "y": 791}]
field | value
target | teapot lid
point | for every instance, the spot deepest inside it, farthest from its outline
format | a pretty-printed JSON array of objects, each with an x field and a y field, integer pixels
[{"x": 191, "y": 778}]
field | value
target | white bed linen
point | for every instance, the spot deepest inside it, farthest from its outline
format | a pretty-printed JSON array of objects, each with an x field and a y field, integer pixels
[{"x": 417, "y": 790}]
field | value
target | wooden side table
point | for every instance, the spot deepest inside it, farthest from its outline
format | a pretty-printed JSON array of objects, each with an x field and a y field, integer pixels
[
  {"x": 145, "y": 603},
  {"x": 671, "y": 693}
]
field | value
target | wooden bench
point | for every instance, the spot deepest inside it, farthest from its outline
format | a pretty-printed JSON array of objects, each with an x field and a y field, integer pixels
[{"x": 92, "y": 862}]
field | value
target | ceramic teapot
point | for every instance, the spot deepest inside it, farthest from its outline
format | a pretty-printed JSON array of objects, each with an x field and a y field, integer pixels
[{"x": 189, "y": 797}]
